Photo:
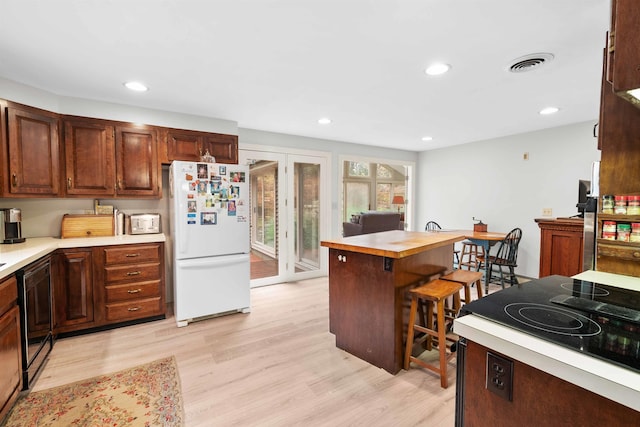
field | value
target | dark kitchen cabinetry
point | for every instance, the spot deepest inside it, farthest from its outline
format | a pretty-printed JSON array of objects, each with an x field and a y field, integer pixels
[
  {"x": 623, "y": 62},
  {"x": 10, "y": 348},
  {"x": 73, "y": 289},
  {"x": 130, "y": 281},
  {"x": 108, "y": 285},
  {"x": 189, "y": 145},
  {"x": 89, "y": 158},
  {"x": 30, "y": 152},
  {"x": 538, "y": 398},
  {"x": 561, "y": 246},
  {"x": 110, "y": 159}
]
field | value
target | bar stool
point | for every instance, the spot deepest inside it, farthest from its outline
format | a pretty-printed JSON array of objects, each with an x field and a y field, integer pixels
[
  {"x": 433, "y": 293},
  {"x": 466, "y": 278},
  {"x": 472, "y": 252}
]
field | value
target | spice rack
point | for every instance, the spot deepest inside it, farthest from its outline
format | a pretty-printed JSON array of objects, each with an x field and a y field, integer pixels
[{"x": 617, "y": 256}]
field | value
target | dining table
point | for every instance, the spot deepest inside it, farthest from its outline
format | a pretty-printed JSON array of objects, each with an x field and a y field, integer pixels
[{"x": 484, "y": 239}]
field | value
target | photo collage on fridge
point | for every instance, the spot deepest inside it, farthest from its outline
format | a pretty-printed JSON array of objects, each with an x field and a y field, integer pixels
[{"x": 213, "y": 193}]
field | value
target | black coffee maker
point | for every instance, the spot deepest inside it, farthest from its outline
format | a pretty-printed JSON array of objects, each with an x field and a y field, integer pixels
[{"x": 12, "y": 226}]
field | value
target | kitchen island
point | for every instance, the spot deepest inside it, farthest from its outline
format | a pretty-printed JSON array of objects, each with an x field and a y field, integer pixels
[
  {"x": 369, "y": 275},
  {"x": 540, "y": 379}
]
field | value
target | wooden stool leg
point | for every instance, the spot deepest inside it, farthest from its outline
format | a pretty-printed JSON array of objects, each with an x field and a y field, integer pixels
[
  {"x": 429, "y": 324},
  {"x": 410, "y": 331},
  {"x": 442, "y": 344},
  {"x": 479, "y": 288}
]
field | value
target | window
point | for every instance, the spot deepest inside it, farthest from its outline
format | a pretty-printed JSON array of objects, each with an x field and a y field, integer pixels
[{"x": 372, "y": 186}]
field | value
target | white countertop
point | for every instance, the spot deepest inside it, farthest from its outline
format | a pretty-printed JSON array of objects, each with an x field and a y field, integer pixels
[
  {"x": 606, "y": 379},
  {"x": 17, "y": 255}
]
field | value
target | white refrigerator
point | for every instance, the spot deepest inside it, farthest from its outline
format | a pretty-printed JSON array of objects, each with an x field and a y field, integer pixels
[{"x": 209, "y": 216}]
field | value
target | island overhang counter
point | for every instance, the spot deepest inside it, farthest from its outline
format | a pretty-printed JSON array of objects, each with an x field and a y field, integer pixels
[{"x": 369, "y": 275}]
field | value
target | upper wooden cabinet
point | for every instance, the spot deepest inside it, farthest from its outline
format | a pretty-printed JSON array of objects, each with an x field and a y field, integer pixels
[
  {"x": 137, "y": 162},
  {"x": 189, "y": 145},
  {"x": 623, "y": 68},
  {"x": 110, "y": 159},
  {"x": 89, "y": 158},
  {"x": 30, "y": 152}
]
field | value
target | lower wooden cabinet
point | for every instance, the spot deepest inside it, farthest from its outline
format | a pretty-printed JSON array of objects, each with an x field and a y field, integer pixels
[
  {"x": 561, "y": 246},
  {"x": 10, "y": 349},
  {"x": 537, "y": 398},
  {"x": 73, "y": 290},
  {"x": 106, "y": 285},
  {"x": 131, "y": 279}
]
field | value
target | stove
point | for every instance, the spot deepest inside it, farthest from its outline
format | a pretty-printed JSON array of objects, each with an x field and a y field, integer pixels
[{"x": 596, "y": 319}]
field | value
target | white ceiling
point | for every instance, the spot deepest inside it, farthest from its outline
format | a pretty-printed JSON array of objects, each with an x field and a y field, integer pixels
[{"x": 280, "y": 65}]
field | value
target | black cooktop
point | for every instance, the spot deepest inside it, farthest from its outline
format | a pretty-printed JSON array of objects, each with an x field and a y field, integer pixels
[{"x": 592, "y": 318}]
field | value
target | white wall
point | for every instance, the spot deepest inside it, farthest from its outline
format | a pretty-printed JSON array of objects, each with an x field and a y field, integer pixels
[{"x": 491, "y": 181}]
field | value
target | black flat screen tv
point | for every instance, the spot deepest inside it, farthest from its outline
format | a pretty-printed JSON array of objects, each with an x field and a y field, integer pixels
[{"x": 584, "y": 189}]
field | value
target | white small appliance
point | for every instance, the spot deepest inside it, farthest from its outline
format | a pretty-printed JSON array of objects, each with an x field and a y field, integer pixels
[{"x": 209, "y": 216}]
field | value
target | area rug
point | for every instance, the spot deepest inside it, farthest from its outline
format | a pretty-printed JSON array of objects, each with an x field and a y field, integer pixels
[{"x": 146, "y": 395}]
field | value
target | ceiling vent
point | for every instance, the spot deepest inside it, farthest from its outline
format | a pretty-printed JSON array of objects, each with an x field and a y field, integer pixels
[{"x": 530, "y": 62}]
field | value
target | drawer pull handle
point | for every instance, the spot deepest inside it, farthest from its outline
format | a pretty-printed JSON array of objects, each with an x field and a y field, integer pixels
[
  {"x": 133, "y": 308},
  {"x": 14, "y": 180},
  {"x": 134, "y": 291},
  {"x": 133, "y": 273},
  {"x": 132, "y": 255}
]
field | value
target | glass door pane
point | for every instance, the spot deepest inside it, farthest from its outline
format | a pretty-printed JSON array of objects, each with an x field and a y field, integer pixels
[
  {"x": 265, "y": 170},
  {"x": 307, "y": 216}
]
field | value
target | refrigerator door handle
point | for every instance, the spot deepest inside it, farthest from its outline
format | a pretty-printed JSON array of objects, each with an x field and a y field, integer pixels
[{"x": 227, "y": 260}]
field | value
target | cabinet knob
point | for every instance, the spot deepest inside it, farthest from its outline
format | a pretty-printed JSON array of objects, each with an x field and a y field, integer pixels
[
  {"x": 69, "y": 183},
  {"x": 636, "y": 254}
]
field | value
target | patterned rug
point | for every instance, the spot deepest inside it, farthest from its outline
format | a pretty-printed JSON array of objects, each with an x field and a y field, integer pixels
[{"x": 147, "y": 395}]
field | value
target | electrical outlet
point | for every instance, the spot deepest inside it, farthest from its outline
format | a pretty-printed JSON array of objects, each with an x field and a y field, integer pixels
[
  {"x": 500, "y": 376},
  {"x": 547, "y": 212}
]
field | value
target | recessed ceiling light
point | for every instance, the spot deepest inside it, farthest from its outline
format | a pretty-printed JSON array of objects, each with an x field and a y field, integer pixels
[
  {"x": 136, "y": 86},
  {"x": 437, "y": 69},
  {"x": 324, "y": 121},
  {"x": 427, "y": 138},
  {"x": 549, "y": 110}
]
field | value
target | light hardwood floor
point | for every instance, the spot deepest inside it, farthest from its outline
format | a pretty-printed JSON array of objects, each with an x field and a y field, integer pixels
[{"x": 276, "y": 366}]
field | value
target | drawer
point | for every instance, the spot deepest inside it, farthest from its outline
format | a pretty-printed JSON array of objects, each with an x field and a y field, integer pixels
[
  {"x": 130, "y": 291},
  {"x": 137, "y": 273},
  {"x": 621, "y": 250},
  {"x": 8, "y": 294},
  {"x": 131, "y": 254},
  {"x": 137, "y": 309}
]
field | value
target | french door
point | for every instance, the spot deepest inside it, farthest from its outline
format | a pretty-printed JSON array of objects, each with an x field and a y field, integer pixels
[{"x": 288, "y": 205}]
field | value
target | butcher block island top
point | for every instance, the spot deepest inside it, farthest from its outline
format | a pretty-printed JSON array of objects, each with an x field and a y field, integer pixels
[
  {"x": 395, "y": 243},
  {"x": 369, "y": 275}
]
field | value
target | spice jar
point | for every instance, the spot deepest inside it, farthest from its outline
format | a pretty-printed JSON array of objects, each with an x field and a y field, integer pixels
[
  {"x": 607, "y": 204},
  {"x": 633, "y": 205},
  {"x": 624, "y": 232},
  {"x": 635, "y": 232},
  {"x": 620, "y": 207}
]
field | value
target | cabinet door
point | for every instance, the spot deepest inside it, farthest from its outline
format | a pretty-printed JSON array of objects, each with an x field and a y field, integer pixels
[
  {"x": 625, "y": 39},
  {"x": 89, "y": 158},
  {"x": 73, "y": 290},
  {"x": 184, "y": 145},
  {"x": 137, "y": 162},
  {"x": 223, "y": 147},
  {"x": 33, "y": 152},
  {"x": 10, "y": 359}
]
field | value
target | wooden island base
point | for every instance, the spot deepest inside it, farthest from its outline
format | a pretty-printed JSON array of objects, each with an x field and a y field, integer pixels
[{"x": 368, "y": 279}]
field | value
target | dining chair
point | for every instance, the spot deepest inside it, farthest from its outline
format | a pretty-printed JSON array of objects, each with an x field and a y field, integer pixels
[{"x": 506, "y": 257}]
